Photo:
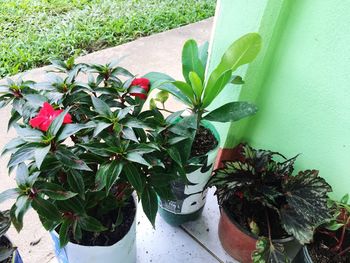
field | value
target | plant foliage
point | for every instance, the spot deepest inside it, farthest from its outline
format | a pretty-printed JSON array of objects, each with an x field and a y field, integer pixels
[
  {"x": 267, "y": 178},
  {"x": 100, "y": 147}
]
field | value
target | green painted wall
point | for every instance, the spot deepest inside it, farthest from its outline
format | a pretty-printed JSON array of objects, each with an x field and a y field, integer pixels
[{"x": 300, "y": 82}]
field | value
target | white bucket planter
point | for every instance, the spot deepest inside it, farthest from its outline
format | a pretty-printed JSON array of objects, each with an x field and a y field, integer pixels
[
  {"x": 191, "y": 198},
  {"x": 124, "y": 251}
]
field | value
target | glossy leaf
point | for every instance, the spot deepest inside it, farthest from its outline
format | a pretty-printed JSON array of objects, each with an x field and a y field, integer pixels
[
  {"x": 88, "y": 223},
  {"x": 76, "y": 182},
  {"x": 149, "y": 204},
  {"x": 185, "y": 88},
  {"x": 70, "y": 129},
  {"x": 134, "y": 177},
  {"x": 191, "y": 60},
  {"x": 63, "y": 234},
  {"x": 55, "y": 191},
  {"x": 232, "y": 111},
  {"x": 197, "y": 85},
  {"x": 40, "y": 154},
  {"x": 101, "y": 107},
  {"x": 9, "y": 194},
  {"x": 46, "y": 209},
  {"x": 242, "y": 51},
  {"x": 56, "y": 124}
]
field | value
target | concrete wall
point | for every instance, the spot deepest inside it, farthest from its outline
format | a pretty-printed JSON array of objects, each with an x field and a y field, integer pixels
[{"x": 300, "y": 81}]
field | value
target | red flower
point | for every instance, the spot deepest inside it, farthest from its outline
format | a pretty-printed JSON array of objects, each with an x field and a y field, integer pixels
[
  {"x": 45, "y": 117},
  {"x": 144, "y": 84}
]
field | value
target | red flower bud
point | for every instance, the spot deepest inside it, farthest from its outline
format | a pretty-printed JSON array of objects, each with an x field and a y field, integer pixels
[
  {"x": 144, "y": 84},
  {"x": 46, "y": 116}
]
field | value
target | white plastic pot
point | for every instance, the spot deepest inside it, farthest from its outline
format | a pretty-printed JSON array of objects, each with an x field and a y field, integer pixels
[
  {"x": 124, "y": 251},
  {"x": 191, "y": 197}
]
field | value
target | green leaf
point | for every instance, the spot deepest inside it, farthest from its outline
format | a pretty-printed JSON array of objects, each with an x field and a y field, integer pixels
[
  {"x": 63, "y": 234},
  {"x": 162, "y": 96},
  {"x": 129, "y": 134},
  {"x": 242, "y": 51},
  {"x": 107, "y": 175},
  {"x": 267, "y": 251},
  {"x": 345, "y": 199},
  {"x": 70, "y": 129},
  {"x": 197, "y": 85},
  {"x": 185, "y": 89},
  {"x": 22, "y": 174},
  {"x": 76, "y": 182},
  {"x": 100, "y": 127},
  {"x": 69, "y": 159},
  {"x": 232, "y": 111},
  {"x": 134, "y": 177},
  {"x": 26, "y": 152},
  {"x": 57, "y": 123},
  {"x": 74, "y": 205},
  {"x": 222, "y": 81},
  {"x": 55, "y": 191},
  {"x": 136, "y": 157},
  {"x": 9, "y": 194},
  {"x": 29, "y": 135},
  {"x": 150, "y": 204},
  {"x": 22, "y": 205},
  {"x": 46, "y": 209},
  {"x": 102, "y": 107},
  {"x": 12, "y": 145},
  {"x": 203, "y": 53},
  {"x": 307, "y": 204},
  {"x": 334, "y": 226},
  {"x": 91, "y": 224},
  {"x": 163, "y": 82},
  {"x": 191, "y": 61},
  {"x": 123, "y": 112},
  {"x": 40, "y": 154},
  {"x": 175, "y": 155}
]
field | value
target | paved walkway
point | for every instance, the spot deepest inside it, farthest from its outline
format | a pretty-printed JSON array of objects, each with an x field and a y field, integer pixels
[{"x": 195, "y": 242}]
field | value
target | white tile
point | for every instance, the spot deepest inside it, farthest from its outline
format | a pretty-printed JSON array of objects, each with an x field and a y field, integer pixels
[
  {"x": 167, "y": 244},
  {"x": 205, "y": 229}
]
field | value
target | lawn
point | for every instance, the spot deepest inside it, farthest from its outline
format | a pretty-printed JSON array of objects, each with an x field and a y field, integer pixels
[{"x": 34, "y": 31}]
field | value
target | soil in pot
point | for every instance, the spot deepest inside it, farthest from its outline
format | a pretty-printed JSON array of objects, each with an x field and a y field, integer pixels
[
  {"x": 244, "y": 212},
  {"x": 108, "y": 238},
  {"x": 204, "y": 142},
  {"x": 4, "y": 242},
  {"x": 320, "y": 251}
]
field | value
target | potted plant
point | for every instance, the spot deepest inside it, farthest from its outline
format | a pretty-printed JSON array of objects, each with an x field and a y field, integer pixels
[
  {"x": 264, "y": 206},
  {"x": 8, "y": 253},
  {"x": 331, "y": 242},
  {"x": 83, "y": 149},
  {"x": 198, "y": 92}
]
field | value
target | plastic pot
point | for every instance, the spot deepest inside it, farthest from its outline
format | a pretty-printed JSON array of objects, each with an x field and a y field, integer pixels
[
  {"x": 303, "y": 256},
  {"x": 124, "y": 251},
  {"x": 16, "y": 257},
  {"x": 240, "y": 243},
  {"x": 191, "y": 197}
]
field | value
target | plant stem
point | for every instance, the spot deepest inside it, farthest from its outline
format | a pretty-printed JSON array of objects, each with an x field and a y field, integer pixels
[
  {"x": 165, "y": 110},
  {"x": 268, "y": 226},
  {"x": 344, "y": 252},
  {"x": 341, "y": 241}
]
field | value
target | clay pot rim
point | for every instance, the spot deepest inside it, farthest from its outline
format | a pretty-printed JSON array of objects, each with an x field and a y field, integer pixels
[{"x": 224, "y": 209}]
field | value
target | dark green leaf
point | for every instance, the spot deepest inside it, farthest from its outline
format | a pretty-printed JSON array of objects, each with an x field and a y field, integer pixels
[
  {"x": 307, "y": 204},
  {"x": 24, "y": 153},
  {"x": 136, "y": 158},
  {"x": 150, "y": 204},
  {"x": 57, "y": 123},
  {"x": 70, "y": 129},
  {"x": 5, "y": 222},
  {"x": 175, "y": 155},
  {"x": 63, "y": 234},
  {"x": 91, "y": 224},
  {"x": 76, "y": 182},
  {"x": 232, "y": 111},
  {"x": 102, "y": 107},
  {"x": 55, "y": 191},
  {"x": 46, "y": 209},
  {"x": 69, "y": 159},
  {"x": 40, "y": 154},
  {"x": 134, "y": 177},
  {"x": 267, "y": 251},
  {"x": 100, "y": 127},
  {"x": 22, "y": 174},
  {"x": 29, "y": 135}
]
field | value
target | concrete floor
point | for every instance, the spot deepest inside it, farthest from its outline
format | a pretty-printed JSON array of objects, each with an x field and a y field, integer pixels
[{"x": 160, "y": 52}]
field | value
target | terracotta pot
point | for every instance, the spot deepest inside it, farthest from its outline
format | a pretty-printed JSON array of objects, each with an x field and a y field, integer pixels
[{"x": 240, "y": 243}]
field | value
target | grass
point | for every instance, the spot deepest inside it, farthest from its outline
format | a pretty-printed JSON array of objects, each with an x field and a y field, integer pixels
[{"x": 34, "y": 31}]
